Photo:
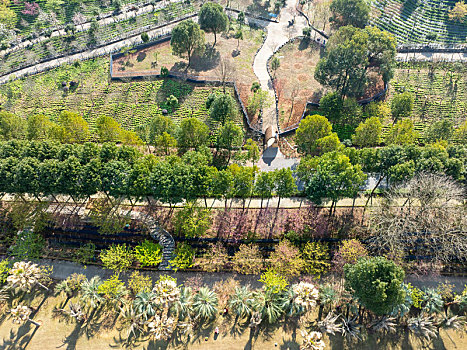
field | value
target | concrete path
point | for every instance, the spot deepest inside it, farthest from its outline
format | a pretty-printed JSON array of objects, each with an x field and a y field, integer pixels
[
  {"x": 63, "y": 269},
  {"x": 100, "y": 51},
  {"x": 273, "y": 159},
  {"x": 430, "y": 56},
  {"x": 278, "y": 34}
]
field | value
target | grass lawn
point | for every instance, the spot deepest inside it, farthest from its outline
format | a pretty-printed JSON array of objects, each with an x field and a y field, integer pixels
[
  {"x": 205, "y": 66},
  {"x": 104, "y": 331},
  {"x": 130, "y": 103}
]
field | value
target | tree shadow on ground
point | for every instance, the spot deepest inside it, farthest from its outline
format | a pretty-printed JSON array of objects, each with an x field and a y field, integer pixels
[{"x": 208, "y": 60}]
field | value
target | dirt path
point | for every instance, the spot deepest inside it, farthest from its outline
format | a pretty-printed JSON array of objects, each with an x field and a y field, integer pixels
[{"x": 278, "y": 34}]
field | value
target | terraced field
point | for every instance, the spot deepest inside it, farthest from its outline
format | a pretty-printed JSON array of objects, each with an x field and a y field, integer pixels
[
  {"x": 440, "y": 93},
  {"x": 130, "y": 103},
  {"x": 419, "y": 21}
]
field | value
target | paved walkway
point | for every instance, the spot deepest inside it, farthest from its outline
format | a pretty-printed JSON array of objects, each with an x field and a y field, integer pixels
[
  {"x": 63, "y": 269},
  {"x": 430, "y": 56},
  {"x": 278, "y": 34}
]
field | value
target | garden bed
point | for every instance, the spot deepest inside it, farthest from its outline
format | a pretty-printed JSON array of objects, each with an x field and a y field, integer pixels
[
  {"x": 130, "y": 103},
  {"x": 439, "y": 94},
  {"x": 150, "y": 60},
  {"x": 295, "y": 84}
]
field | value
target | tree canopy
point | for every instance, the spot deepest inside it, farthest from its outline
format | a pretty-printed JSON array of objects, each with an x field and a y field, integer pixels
[
  {"x": 350, "y": 12},
  {"x": 212, "y": 19},
  {"x": 376, "y": 282},
  {"x": 187, "y": 37},
  {"x": 350, "y": 53}
]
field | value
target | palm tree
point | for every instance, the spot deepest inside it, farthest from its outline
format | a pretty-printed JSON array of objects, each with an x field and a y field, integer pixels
[
  {"x": 89, "y": 293},
  {"x": 350, "y": 327},
  {"x": 64, "y": 287},
  {"x": 241, "y": 302},
  {"x": 423, "y": 326},
  {"x": 132, "y": 321},
  {"x": 384, "y": 324},
  {"x": 328, "y": 297},
  {"x": 24, "y": 275},
  {"x": 144, "y": 304},
  {"x": 330, "y": 324},
  {"x": 268, "y": 304},
  {"x": 162, "y": 327},
  {"x": 183, "y": 306},
  {"x": 290, "y": 306},
  {"x": 205, "y": 303},
  {"x": 76, "y": 312},
  {"x": 432, "y": 302},
  {"x": 21, "y": 314},
  {"x": 312, "y": 341}
]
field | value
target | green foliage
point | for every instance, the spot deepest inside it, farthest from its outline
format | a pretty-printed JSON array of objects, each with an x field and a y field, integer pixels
[
  {"x": 205, "y": 303},
  {"x": 145, "y": 37},
  {"x": 72, "y": 128},
  {"x": 440, "y": 130},
  {"x": 187, "y": 37},
  {"x": 350, "y": 250},
  {"x": 39, "y": 127},
  {"x": 284, "y": 181},
  {"x": 85, "y": 253},
  {"x": 192, "y": 133},
  {"x": 4, "y": 270},
  {"x": 316, "y": 258},
  {"x": 348, "y": 55},
  {"x": 192, "y": 221},
  {"x": 139, "y": 283},
  {"x": 230, "y": 136},
  {"x": 416, "y": 295},
  {"x": 108, "y": 129},
  {"x": 11, "y": 126},
  {"x": 164, "y": 72},
  {"x": 376, "y": 283},
  {"x": 273, "y": 281},
  {"x": 28, "y": 245},
  {"x": 258, "y": 101},
  {"x": 402, "y": 133},
  {"x": 350, "y": 12},
  {"x": 148, "y": 253},
  {"x": 112, "y": 287},
  {"x": 117, "y": 257},
  {"x": 223, "y": 108},
  {"x": 402, "y": 105},
  {"x": 213, "y": 19},
  {"x": 368, "y": 133},
  {"x": 252, "y": 148},
  {"x": 330, "y": 176},
  {"x": 311, "y": 129},
  {"x": 248, "y": 260},
  {"x": 183, "y": 259},
  {"x": 286, "y": 259}
]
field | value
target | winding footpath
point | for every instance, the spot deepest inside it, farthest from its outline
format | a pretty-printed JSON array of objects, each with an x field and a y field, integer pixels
[{"x": 277, "y": 35}]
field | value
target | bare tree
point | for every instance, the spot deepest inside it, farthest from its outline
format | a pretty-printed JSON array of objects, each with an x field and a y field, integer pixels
[
  {"x": 225, "y": 72},
  {"x": 423, "y": 216}
]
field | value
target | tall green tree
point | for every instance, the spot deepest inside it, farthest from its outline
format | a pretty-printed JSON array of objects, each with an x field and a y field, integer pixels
[
  {"x": 212, "y": 19},
  {"x": 350, "y": 12},
  {"x": 350, "y": 53},
  {"x": 377, "y": 283},
  {"x": 230, "y": 137},
  {"x": 311, "y": 129},
  {"x": 73, "y": 128},
  {"x": 402, "y": 133},
  {"x": 39, "y": 127},
  {"x": 368, "y": 133},
  {"x": 11, "y": 126},
  {"x": 223, "y": 108},
  {"x": 402, "y": 105},
  {"x": 108, "y": 129},
  {"x": 192, "y": 133},
  {"x": 187, "y": 37},
  {"x": 285, "y": 185},
  {"x": 330, "y": 176}
]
